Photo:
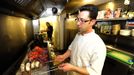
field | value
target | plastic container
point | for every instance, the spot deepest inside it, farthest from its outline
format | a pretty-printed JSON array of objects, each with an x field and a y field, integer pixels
[{"x": 125, "y": 32}]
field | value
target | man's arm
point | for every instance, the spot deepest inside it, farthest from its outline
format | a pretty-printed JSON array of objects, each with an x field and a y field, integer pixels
[
  {"x": 69, "y": 67},
  {"x": 67, "y": 54},
  {"x": 61, "y": 58},
  {"x": 82, "y": 71}
]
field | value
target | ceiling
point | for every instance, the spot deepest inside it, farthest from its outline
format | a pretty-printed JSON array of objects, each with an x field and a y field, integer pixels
[
  {"x": 49, "y": 4},
  {"x": 42, "y": 8},
  {"x": 67, "y": 5},
  {"x": 75, "y": 4}
]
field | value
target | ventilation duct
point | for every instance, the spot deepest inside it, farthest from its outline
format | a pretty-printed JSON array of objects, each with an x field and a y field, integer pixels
[{"x": 31, "y": 8}]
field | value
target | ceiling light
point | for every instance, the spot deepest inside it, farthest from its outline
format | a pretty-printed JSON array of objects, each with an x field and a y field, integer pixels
[
  {"x": 111, "y": 5},
  {"x": 87, "y": 1},
  {"x": 127, "y": 2}
]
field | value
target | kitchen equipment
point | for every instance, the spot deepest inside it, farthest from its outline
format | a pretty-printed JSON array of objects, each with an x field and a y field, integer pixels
[
  {"x": 28, "y": 66},
  {"x": 118, "y": 61},
  {"x": 130, "y": 14},
  {"x": 117, "y": 13},
  {"x": 115, "y": 29},
  {"x": 22, "y": 67},
  {"x": 132, "y": 32},
  {"x": 121, "y": 56},
  {"x": 125, "y": 32}
]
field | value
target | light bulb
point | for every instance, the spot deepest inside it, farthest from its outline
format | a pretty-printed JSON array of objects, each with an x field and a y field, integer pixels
[{"x": 127, "y": 2}]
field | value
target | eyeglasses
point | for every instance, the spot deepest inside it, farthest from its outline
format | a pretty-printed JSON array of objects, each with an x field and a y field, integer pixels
[{"x": 81, "y": 20}]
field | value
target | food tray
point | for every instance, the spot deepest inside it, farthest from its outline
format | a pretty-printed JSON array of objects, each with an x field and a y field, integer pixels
[{"x": 121, "y": 57}]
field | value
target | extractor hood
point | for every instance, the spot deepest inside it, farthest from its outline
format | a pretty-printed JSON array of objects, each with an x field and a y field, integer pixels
[{"x": 24, "y": 8}]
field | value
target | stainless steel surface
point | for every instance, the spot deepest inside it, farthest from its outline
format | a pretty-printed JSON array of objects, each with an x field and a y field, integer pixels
[
  {"x": 15, "y": 34},
  {"x": 39, "y": 71}
]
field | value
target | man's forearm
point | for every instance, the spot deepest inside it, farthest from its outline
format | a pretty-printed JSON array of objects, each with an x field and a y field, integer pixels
[
  {"x": 67, "y": 54},
  {"x": 81, "y": 71}
]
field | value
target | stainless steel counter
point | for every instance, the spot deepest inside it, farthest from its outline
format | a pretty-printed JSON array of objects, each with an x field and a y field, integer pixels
[{"x": 40, "y": 71}]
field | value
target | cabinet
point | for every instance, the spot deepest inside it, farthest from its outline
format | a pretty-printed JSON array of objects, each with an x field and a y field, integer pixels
[{"x": 104, "y": 29}]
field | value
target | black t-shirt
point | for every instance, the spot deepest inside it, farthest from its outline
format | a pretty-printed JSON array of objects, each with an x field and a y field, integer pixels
[{"x": 50, "y": 30}]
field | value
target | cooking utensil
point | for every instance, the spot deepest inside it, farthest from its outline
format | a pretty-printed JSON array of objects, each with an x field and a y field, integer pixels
[
  {"x": 45, "y": 72},
  {"x": 53, "y": 68}
]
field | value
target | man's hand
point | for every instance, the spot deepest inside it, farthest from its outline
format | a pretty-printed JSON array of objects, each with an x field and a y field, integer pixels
[
  {"x": 66, "y": 67},
  {"x": 59, "y": 58}
]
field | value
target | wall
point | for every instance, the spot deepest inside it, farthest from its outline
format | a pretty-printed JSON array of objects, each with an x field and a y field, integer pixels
[
  {"x": 118, "y": 4},
  {"x": 69, "y": 31},
  {"x": 36, "y": 26},
  {"x": 15, "y": 34},
  {"x": 53, "y": 20}
]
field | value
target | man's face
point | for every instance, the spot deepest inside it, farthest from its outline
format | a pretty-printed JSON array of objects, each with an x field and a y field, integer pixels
[{"x": 83, "y": 22}]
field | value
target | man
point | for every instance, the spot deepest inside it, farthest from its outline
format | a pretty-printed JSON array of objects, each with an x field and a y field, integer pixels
[{"x": 87, "y": 51}]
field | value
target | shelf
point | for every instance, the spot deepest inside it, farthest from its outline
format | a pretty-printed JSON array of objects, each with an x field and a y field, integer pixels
[
  {"x": 113, "y": 19},
  {"x": 118, "y": 35}
]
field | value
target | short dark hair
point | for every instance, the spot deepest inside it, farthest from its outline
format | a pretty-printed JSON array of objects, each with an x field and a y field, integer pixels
[
  {"x": 47, "y": 23},
  {"x": 91, "y": 8}
]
